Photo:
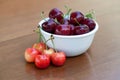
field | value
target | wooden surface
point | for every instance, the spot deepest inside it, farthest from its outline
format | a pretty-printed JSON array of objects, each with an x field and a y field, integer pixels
[{"x": 18, "y": 18}]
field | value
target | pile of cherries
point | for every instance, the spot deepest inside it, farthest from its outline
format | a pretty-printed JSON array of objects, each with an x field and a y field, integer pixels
[
  {"x": 76, "y": 23},
  {"x": 42, "y": 56}
]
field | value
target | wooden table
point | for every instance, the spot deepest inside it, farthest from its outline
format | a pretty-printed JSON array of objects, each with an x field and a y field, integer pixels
[{"x": 18, "y": 19}]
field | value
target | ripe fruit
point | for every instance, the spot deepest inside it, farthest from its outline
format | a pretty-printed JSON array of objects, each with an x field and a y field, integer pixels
[
  {"x": 49, "y": 26},
  {"x": 64, "y": 21},
  {"x": 49, "y": 51},
  {"x": 72, "y": 28},
  {"x": 58, "y": 58},
  {"x": 89, "y": 22},
  {"x": 39, "y": 46},
  {"x": 30, "y": 54},
  {"x": 56, "y": 14},
  {"x": 81, "y": 29},
  {"x": 67, "y": 24},
  {"x": 42, "y": 61},
  {"x": 76, "y": 16},
  {"x": 63, "y": 30}
]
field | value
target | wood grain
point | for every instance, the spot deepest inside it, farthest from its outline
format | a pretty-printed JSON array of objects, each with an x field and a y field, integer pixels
[{"x": 18, "y": 19}]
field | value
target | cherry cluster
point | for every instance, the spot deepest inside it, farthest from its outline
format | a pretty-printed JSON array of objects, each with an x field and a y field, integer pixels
[
  {"x": 74, "y": 23},
  {"x": 42, "y": 56}
]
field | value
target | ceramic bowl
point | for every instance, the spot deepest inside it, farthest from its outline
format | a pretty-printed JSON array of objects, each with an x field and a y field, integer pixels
[{"x": 71, "y": 45}]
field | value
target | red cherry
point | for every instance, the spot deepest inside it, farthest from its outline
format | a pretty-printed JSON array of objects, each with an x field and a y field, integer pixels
[
  {"x": 82, "y": 29},
  {"x": 42, "y": 61},
  {"x": 89, "y": 22},
  {"x": 30, "y": 54},
  {"x": 76, "y": 17},
  {"x": 49, "y": 51},
  {"x": 58, "y": 58},
  {"x": 49, "y": 26},
  {"x": 72, "y": 28},
  {"x": 65, "y": 21},
  {"x": 56, "y": 14},
  {"x": 63, "y": 30},
  {"x": 39, "y": 46}
]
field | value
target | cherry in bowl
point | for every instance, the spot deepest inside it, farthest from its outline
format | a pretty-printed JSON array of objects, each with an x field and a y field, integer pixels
[{"x": 72, "y": 45}]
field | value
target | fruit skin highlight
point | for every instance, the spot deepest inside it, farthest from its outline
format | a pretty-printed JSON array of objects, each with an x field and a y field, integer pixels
[
  {"x": 39, "y": 46},
  {"x": 42, "y": 61},
  {"x": 77, "y": 15},
  {"x": 90, "y": 23},
  {"x": 81, "y": 29},
  {"x": 56, "y": 14},
  {"x": 67, "y": 24},
  {"x": 30, "y": 54},
  {"x": 49, "y": 51},
  {"x": 58, "y": 58},
  {"x": 49, "y": 26},
  {"x": 63, "y": 30}
]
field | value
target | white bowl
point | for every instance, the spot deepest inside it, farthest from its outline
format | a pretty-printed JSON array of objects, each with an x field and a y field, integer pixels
[{"x": 71, "y": 45}]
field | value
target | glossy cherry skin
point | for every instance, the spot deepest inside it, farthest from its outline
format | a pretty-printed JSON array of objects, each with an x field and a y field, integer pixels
[
  {"x": 64, "y": 21},
  {"x": 42, "y": 61},
  {"x": 56, "y": 14},
  {"x": 82, "y": 29},
  {"x": 72, "y": 28},
  {"x": 63, "y": 29},
  {"x": 76, "y": 17},
  {"x": 58, "y": 58},
  {"x": 49, "y": 26},
  {"x": 90, "y": 23},
  {"x": 49, "y": 51},
  {"x": 39, "y": 46},
  {"x": 30, "y": 54}
]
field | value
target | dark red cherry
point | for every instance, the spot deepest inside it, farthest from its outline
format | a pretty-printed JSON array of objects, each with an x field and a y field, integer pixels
[
  {"x": 63, "y": 29},
  {"x": 76, "y": 17},
  {"x": 81, "y": 29},
  {"x": 56, "y": 14},
  {"x": 49, "y": 26},
  {"x": 72, "y": 28},
  {"x": 64, "y": 21},
  {"x": 89, "y": 22}
]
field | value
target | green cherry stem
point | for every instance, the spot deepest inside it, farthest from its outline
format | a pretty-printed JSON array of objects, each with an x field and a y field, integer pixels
[
  {"x": 77, "y": 21},
  {"x": 91, "y": 14},
  {"x": 68, "y": 10},
  {"x": 55, "y": 20},
  {"x": 42, "y": 37},
  {"x": 46, "y": 42},
  {"x": 39, "y": 35},
  {"x": 51, "y": 37},
  {"x": 42, "y": 16}
]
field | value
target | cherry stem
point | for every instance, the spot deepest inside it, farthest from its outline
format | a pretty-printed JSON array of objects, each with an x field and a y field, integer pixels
[
  {"x": 77, "y": 21},
  {"x": 46, "y": 42},
  {"x": 91, "y": 14},
  {"x": 51, "y": 37},
  {"x": 41, "y": 37},
  {"x": 56, "y": 21},
  {"x": 68, "y": 10},
  {"x": 42, "y": 16}
]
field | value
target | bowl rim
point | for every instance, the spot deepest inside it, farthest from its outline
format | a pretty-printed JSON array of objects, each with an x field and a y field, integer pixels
[{"x": 69, "y": 36}]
